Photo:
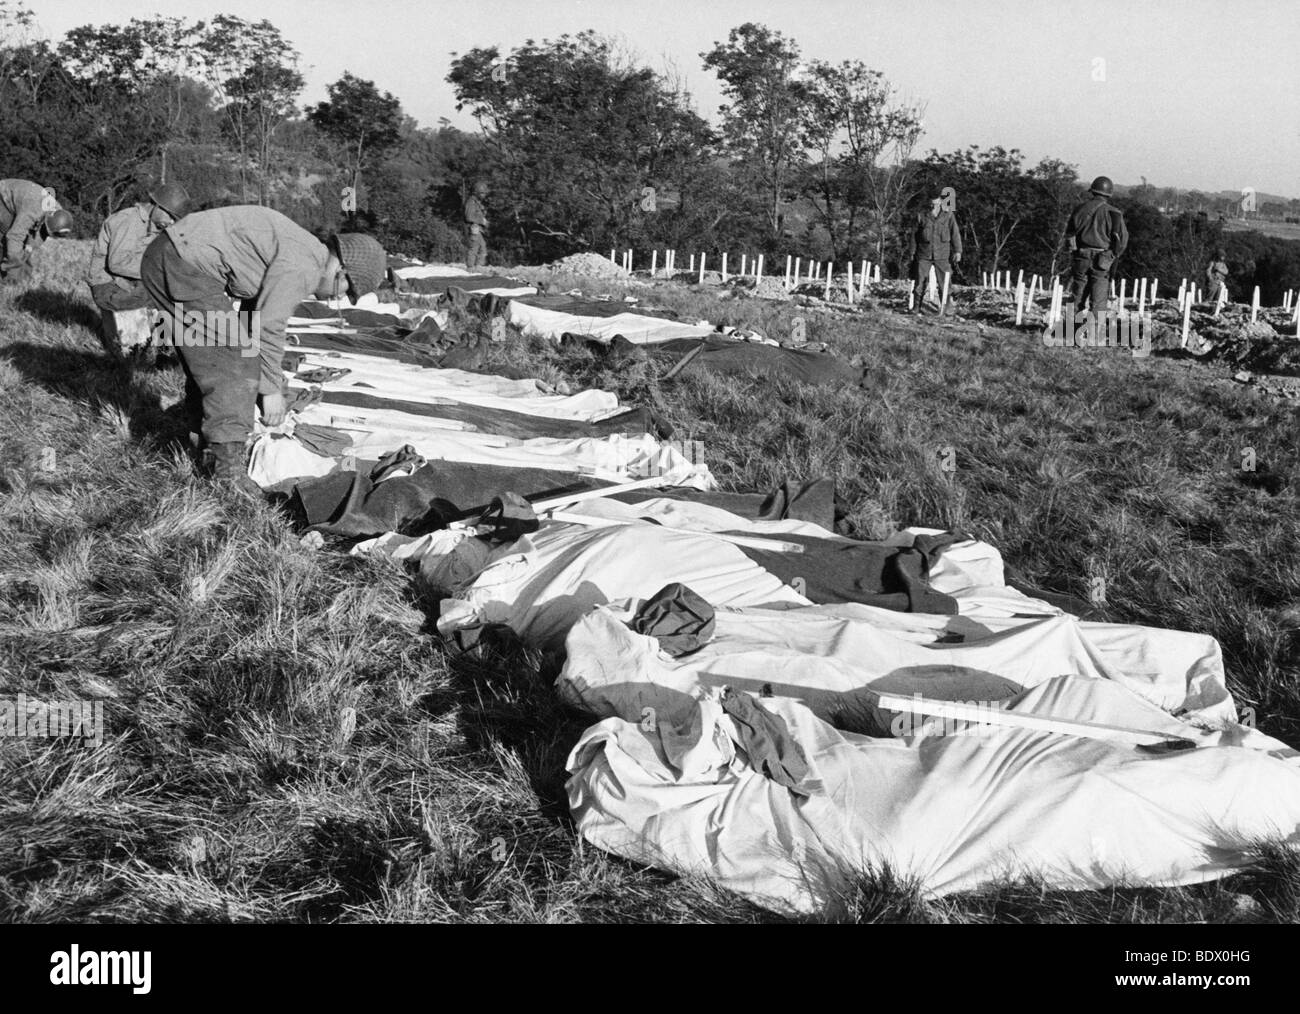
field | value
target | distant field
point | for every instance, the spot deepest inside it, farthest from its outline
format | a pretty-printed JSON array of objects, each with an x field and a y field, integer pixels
[{"x": 1282, "y": 230}]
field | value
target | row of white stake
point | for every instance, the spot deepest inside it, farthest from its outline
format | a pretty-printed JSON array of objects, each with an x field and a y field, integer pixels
[
  {"x": 796, "y": 275},
  {"x": 796, "y": 272}
]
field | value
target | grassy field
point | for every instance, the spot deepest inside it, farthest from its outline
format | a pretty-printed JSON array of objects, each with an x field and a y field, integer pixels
[
  {"x": 287, "y": 739},
  {"x": 1279, "y": 230}
]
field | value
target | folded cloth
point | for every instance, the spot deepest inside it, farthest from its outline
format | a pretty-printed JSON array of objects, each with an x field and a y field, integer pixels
[
  {"x": 404, "y": 461},
  {"x": 321, "y": 439},
  {"x": 301, "y": 398},
  {"x": 322, "y": 374},
  {"x": 679, "y": 619},
  {"x": 766, "y": 739},
  {"x": 510, "y": 517}
]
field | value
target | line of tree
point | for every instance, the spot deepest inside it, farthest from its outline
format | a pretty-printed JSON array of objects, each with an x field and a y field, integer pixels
[{"x": 584, "y": 146}]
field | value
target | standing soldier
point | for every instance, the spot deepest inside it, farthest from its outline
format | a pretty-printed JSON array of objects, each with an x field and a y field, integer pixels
[
  {"x": 1097, "y": 236},
  {"x": 937, "y": 241},
  {"x": 114, "y": 273},
  {"x": 257, "y": 255},
  {"x": 1217, "y": 274},
  {"x": 476, "y": 220},
  {"x": 29, "y": 214}
]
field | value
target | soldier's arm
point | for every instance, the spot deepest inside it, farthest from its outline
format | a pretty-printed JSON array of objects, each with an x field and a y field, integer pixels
[
  {"x": 1121, "y": 234},
  {"x": 25, "y": 219},
  {"x": 281, "y": 291},
  {"x": 97, "y": 274}
]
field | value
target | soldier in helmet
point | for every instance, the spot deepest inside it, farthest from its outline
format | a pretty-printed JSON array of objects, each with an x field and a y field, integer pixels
[
  {"x": 194, "y": 270},
  {"x": 114, "y": 273},
  {"x": 1216, "y": 275},
  {"x": 936, "y": 242},
  {"x": 29, "y": 215},
  {"x": 1097, "y": 236},
  {"x": 476, "y": 221}
]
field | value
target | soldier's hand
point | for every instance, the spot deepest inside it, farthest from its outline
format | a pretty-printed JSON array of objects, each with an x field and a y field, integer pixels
[
  {"x": 956, "y": 258},
  {"x": 103, "y": 295},
  {"x": 273, "y": 410}
]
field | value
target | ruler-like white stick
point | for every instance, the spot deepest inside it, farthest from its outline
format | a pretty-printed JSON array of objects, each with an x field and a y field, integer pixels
[
  {"x": 992, "y": 715},
  {"x": 776, "y": 545},
  {"x": 554, "y": 503}
]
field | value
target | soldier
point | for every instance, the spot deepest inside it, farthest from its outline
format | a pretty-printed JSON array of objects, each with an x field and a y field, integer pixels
[
  {"x": 476, "y": 221},
  {"x": 937, "y": 242},
  {"x": 1216, "y": 274},
  {"x": 257, "y": 255},
  {"x": 29, "y": 215},
  {"x": 114, "y": 272},
  {"x": 1097, "y": 236}
]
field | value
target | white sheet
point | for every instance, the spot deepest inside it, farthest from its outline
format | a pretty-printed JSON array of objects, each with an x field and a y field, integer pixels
[
  {"x": 412, "y": 382},
  {"x": 543, "y": 584},
  {"x": 635, "y": 327},
  {"x": 434, "y": 271},
  {"x": 952, "y": 812},
  {"x": 821, "y": 654},
  {"x": 275, "y": 459}
]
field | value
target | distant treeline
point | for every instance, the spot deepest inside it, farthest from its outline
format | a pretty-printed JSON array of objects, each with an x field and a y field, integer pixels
[{"x": 583, "y": 147}]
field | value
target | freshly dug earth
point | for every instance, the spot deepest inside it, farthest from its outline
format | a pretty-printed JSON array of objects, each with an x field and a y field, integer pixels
[
  {"x": 769, "y": 288},
  {"x": 588, "y": 265}
]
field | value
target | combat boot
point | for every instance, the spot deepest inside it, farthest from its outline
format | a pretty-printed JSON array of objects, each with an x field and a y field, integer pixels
[{"x": 230, "y": 466}]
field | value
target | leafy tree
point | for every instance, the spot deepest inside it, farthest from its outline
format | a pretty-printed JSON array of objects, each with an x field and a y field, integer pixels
[
  {"x": 764, "y": 112},
  {"x": 1055, "y": 194},
  {"x": 358, "y": 116},
  {"x": 1150, "y": 241},
  {"x": 576, "y": 137},
  {"x": 253, "y": 69},
  {"x": 85, "y": 116},
  {"x": 861, "y": 138}
]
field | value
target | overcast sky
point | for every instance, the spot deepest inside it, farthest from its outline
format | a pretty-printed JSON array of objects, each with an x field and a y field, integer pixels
[{"x": 1191, "y": 93}]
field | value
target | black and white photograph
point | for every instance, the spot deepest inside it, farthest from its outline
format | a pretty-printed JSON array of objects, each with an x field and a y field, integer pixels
[{"x": 571, "y": 463}]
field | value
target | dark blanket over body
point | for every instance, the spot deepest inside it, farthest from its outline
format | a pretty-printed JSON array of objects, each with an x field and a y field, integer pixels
[
  {"x": 411, "y": 347},
  {"x": 350, "y": 504},
  {"x": 632, "y": 422},
  {"x": 833, "y": 570},
  {"x": 799, "y": 501},
  {"x": 890, "y": 577},
  {"x": 491, "y": 305},
  {"x": 470, "y": 283},
  {"x": 733, "y": 358},
  {"x": 352, "y": 316},
  {"x": 339, "y": 506}
]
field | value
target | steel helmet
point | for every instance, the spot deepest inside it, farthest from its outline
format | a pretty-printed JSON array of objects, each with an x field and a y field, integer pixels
[
  {"x": 363, "y": 260},
  {"x": 1103, "y": 187},
  {"x": 172, "y": 198},
  {"x": 58, "y": 223}
]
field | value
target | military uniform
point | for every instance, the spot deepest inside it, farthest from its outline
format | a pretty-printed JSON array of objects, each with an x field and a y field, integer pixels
[
  {"x": 938, "y": 240},
  {"x": 23, "y": 206},
  {"x": 1097, "y": 236},
  {"x": 476, "y": 221},
  {"x": 201, "y": 263},
  {"x": 114, "y": 273},
  {"x": 1217, "y": 277}
]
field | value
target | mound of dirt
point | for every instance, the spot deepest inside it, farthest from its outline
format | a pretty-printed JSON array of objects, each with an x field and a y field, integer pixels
[
  {"x": 588, "y": 265},
  {"x": 769, "y": 288}
]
